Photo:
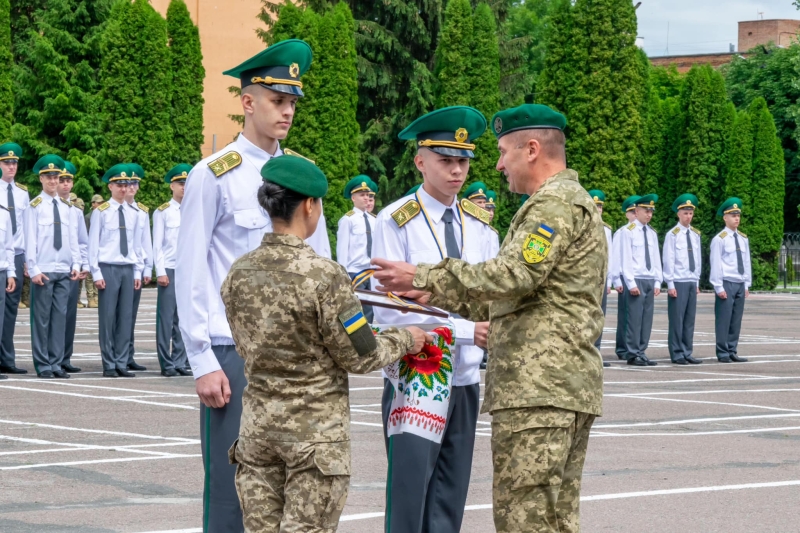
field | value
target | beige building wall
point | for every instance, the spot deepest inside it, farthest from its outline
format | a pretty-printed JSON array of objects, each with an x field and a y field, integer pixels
[{"x": 227, "y": 37}]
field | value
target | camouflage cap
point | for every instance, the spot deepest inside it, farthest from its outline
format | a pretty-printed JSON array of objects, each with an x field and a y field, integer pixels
[{"x": 97, "y": 199}]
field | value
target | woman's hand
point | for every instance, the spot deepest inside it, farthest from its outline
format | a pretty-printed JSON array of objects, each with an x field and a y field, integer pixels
[{"x": 420, "y": 338}]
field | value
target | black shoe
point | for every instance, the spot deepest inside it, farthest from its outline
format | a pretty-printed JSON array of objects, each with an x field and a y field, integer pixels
[
  {"x": 482, "y": 366},
  {"x": 60, "y": 374},
  {"x": 680, "y": 362},
  {"x": 135, "y": 366},
  {"x": 693, "y": 361},
  {"x": 169, "y": 373},
  {"x": 188, "y": 372},
  {"x": 46, "y": 374},
  {"x": 606, "y": 365},
  {"x": 109, "y": 373},
  {"x": 724, "y": 359},
  {"x": 621, "y": 357},
  {"x": 66, "y": 367},
  {"x": 648, "y": 361},
  {"x": 125, "y": 373},
  {"x": 737, "y": 359},
  {"x": 12, "y": 370},
  {"x": 637, "y": 361}
]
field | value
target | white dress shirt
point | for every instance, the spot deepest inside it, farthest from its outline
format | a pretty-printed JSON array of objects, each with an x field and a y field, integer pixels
[
  {"x": 40, "y": 254},
  {"x": 104, "y": 239},
  {"x": 724, "y": 265},
  {"x": 676, "y": 256},
  {"x": 21, "y": 202},
  {"x": 145, "y": 244},
  {"x": 351, "y": 240},
  {"x": 79, "y": 221},
  {"x": 221, "y": 221},
  {"x": 7, "y": 239},
  {"x": 166, "y": 223},
  {"x": 494, "y": 244},
  {"x": 414, "y": 243},
  {"x": 634, "y": 264},
  {"x": 610, "y": 238}
]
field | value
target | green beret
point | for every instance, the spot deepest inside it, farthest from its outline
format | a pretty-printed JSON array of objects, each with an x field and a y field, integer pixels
[
  {"x": 69, "y": 170},
  {"x": 48, "y": 163},
  {"x": 687, "y": 200},
  {"x": 178, "y": 173},
  {"x": 119, "y": 173},
  {"x": 648, "y": 201},
  {"x": 10, "y": 151},
  {"x": 476, "y": 191},
  {"x": 412, "y": 190},
  {"x": 278, "y": 68},
  {"x": 527, "y": 117},
  {"x": 448, "y": 131},
  {"x": 491, "y": 200},
  {"x": 137, "y": 172},
  {"x": 598, "y": 196},
  {"x": 630, "y": 203},
  {"x": 297, "y": 174},
  {"x": 731, "y": 206},
  {"x": 358, "y": 184}
]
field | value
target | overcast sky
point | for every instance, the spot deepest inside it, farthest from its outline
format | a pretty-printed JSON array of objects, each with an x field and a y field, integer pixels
[{"x": 699, "y": 26}]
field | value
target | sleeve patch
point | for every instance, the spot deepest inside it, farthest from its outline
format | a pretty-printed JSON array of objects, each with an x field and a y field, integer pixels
[
  {"x": 535, "y": 248},
  {"x": 408, "y": 211},
  {"x": 36, "y": 201},
  {"x": 476, "y": 212},
  {"x": 357, "y": 328},
  {"x": 223, "y": 164}
]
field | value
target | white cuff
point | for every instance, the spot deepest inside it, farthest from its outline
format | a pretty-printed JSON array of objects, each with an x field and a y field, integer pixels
[
  {"x": 670, "y": 285},
  {"x": 161, "y": 272},
  {"x": 204, "y": 363},
  {"x": 33, "y": 271},
  {"x": 465, "y": 332}
]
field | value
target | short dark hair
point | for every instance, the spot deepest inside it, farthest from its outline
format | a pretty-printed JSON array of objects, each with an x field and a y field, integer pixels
[{"x": 279, "y": 202}]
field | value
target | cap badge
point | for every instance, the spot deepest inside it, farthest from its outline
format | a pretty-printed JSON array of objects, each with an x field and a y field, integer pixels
[
  {"x": 294, "y": 70},
  {"x": 123, "y": 175},
  {"x": 735, "y": 206},
  {"x": 461, "y": 135},
  {"x": 596, "y": 198},
  {"x": 688, "y": 202},
  {"x": 51, "y": 165},
  {"x": 11, "y": 152},
  {"x": 498, "y": 125}
]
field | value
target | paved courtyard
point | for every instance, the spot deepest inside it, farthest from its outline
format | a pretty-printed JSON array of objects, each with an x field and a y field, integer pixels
[{"x": 708, "y": 448}]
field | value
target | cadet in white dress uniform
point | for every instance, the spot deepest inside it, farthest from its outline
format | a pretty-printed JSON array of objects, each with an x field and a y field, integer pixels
[
  {"x": 354, "y": 236},
  {"x": 599, "y": 198},
  {"x": 144, "y": 248},
  {"x": 682, "y": 266},
  {"x": 8, "y": 272},
  {"x": 14, "y": 197},
  {"x": 166, "y": 224},
  {"x": 116, "y": 270},
  {"x": 54, "y": 260},
  {"x": 491, "y": 205},
  {"x": 641, "y": 276},
  {"x": 220, "y": 221},
  {"x": 731, "y": 276},
  {"x": 615, "y": 271},
  {"x": 421, "y": 229}
]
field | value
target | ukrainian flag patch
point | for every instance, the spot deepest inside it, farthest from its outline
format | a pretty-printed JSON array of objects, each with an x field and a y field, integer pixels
[
  {"x": 353, "y": 320},
  {"x": 357, "y": 328},
  {"x": 546, "y": 231}
]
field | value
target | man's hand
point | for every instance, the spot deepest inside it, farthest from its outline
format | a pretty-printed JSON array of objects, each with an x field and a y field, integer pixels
[
  {"x": 723, "y": 295},
  {"x": 673, "y": 293},
  {"x": 420, "y": 297},
  {"x": 394, "y": 276},
  {"x": 83, "y": 275},
  {"x": 137, "y": 284},
  {"x": 213, "y": 389},
  {"x": 100, "y": 284},
  {"x": 634, "y": 291},
  {"x": 620, "y": 289},
  {"x": 147, "y": 280},
  {"x": 74, "y": 275},
  {"x": 608, "y": 290},
  {"x": 481, "y": 334},
  {"x": 39, "y": 279},
  {"x": 11, "y": 284},
  {"x": 420, "y": 338},
  {"x": 747, "y": 293},
  {"x": 163, "y": 281},
  {"x": 656, "y": 291},
  {"x": 698, "y": 289}
]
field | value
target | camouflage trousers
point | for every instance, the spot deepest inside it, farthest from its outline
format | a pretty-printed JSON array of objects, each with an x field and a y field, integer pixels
[
  {"x": 91, "y": 289},
  {"x": 291, "y": 487},
  {"x": 538, "y": 455}
]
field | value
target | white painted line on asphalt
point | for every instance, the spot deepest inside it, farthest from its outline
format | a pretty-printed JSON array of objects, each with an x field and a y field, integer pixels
[
  {"x": 99, "y": 461},
  {"x": 364, "y": 411},
  {"x": 716, "y": 391},
  {"x": 97, "y": 431},
  {"x": 110, "y": 398},
  {"x": 691, "y": 421},
  {"x": 66, "y": 384},
  {"x": 695, "y": 433},
  {"x": 699, "y": 380},
  {"x": 79, "y": 447},
  {"x": 353, "y": 422},
  {"x": 712, "y": 403}
]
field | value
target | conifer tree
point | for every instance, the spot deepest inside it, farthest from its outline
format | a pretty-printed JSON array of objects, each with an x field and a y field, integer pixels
[
  {"x": 739, "y": 167},
  {"x": 187, "y": 88},
  {"x": 454, "y": 55},
  {"x": 6, "y": 58}
]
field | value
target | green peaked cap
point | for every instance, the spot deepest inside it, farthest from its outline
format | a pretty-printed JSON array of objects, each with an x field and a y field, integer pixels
[
  {"x": 527, "y": 117},
  {"x": 278, "y": 68},
  {"x": 297, "y": 174},
  {"x": 630, "y": 203},
  {"x": 360, "y": 183},
  {"x": 69, "y": 170},
  {"x": 10, "y": 151},
  {"x": 137, "y": 172},
  {"x": 178, "y": 173},
  {"x": 120, "y": 173},
  {"x": 476, "y": 190},
  {"x": 648, "y": 201},
  {"x": 685, "y": 201},
  {"x": 48, "y": 163},
  {"x": 731, "y": 206},
  {"x": 598, "y": 196},
  {"x": 448, "y": 131},
  {"x": 412, "y": 190},
  {"x": 491, "y": 200}
]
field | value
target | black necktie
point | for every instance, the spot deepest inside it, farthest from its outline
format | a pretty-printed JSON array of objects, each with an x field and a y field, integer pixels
[
  {"x": 739, "y": 260},
  {"x": 691, "y": 252},
  {"x": 11, "y": 209},
  {"x": 123, "y": 235},
  {"x": 56, "y": 226},
  {"x": 369, "y": 236},
  {"x": 646, "y": 249},
  {"x": 450, "y": 235}
]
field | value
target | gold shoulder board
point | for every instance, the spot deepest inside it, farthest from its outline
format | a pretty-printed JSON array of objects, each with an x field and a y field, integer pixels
[
  {"x": 103, "y": 206},
  {"x": 409, "y": 210},
  {"x": 21, "y": 186},
  {"x": 742, "y": 234},
  {"x": 676, "y": 231},
  {"x": 475, "y": 211},
  {"x": 287, "y": 151},
  {"x": 163, "y": 206},
  {"x": 372, "y": 215},
  {"x": 723, "y": 234},
  {"x": 350, "y": 213},
  {"x": 696, "y": 230},
  {"x": 631, "y": 225},
  {"x": 36, "y": 201},
  {"x": 143, "y": 207},
  {"x": 223, "y": 164}
]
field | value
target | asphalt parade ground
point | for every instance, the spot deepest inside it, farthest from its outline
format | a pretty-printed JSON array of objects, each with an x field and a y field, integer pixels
[{"x": 707, "y": 448}]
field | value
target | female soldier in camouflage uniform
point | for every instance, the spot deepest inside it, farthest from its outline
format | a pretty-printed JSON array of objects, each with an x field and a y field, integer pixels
[{"x": 300, "y": 329}]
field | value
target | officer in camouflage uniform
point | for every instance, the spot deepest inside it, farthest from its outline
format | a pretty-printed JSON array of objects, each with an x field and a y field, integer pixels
[
  {"x": 293, "y": 450},
  {"x": 542, "y": 295}
]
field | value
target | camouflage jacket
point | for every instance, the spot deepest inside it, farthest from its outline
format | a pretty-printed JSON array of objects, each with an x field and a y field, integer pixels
[
  {"x": 542, "y": 295},
  {"x": 298, "y": 326}
]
